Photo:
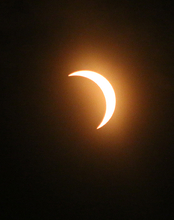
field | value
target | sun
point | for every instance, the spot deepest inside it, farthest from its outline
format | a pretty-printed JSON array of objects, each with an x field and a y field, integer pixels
[{"x": 106, "y": 88}]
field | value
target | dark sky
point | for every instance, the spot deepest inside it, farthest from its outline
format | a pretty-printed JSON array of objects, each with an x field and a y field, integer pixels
[{"x": 56, "y": 164}]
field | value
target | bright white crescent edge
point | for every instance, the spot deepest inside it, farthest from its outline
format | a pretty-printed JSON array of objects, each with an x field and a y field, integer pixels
[{"x": 107, "y": 90}]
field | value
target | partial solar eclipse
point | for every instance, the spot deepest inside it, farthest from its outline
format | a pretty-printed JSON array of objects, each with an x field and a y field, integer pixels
[{"x": 107, "y": 90}]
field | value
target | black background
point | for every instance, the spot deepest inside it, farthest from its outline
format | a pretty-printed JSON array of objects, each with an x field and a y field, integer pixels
[{"x": 56, "y": 164}]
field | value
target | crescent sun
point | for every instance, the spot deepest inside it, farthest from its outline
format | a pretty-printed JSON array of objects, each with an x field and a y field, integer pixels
[{"x": 107, "y": 89}]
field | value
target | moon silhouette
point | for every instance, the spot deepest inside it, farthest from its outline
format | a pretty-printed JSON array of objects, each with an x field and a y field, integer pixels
[{"x": 107, "y": 90}]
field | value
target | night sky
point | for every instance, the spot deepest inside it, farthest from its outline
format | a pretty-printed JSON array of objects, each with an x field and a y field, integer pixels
[{"x": 56, "y": 165}]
